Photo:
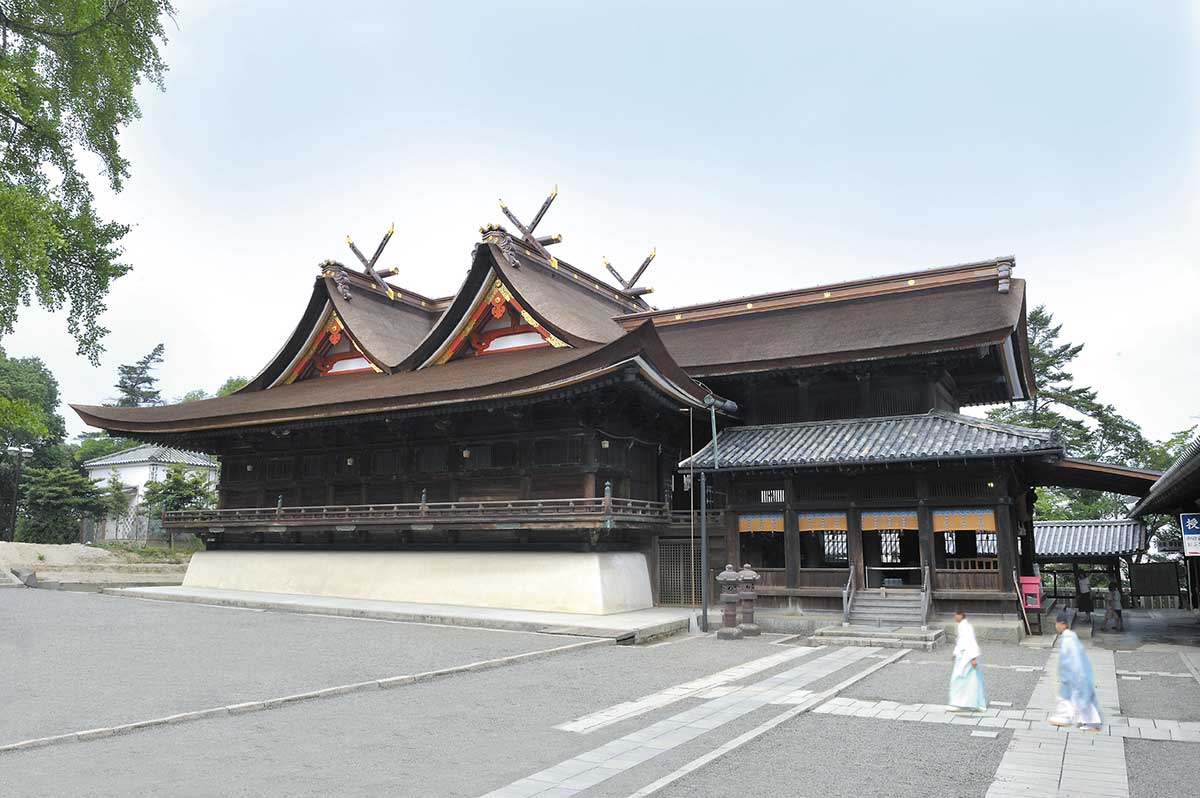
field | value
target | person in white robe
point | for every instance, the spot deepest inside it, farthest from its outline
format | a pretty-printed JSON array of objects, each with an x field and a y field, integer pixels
[
  {"x": 1076, "y": 685},
  {"x": 966, "y": 682}
]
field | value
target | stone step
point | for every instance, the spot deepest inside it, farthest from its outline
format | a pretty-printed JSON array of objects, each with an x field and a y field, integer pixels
[
  {"x": 883, "y": 615},
  {"x": 877, "y": 642},
  {"x": 901, "y": 632},
  {"x": 892, "y": 599},
  {"x": 877, "y": 602},
  {"x": 885, "y": 620}
]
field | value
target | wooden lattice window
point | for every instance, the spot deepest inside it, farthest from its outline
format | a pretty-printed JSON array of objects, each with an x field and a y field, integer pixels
[
  {"x": 820, "y": 490},
  {"x": 430, "y": 459},
  {"x": 558, "y": 451},
  {"x": 313, "y": 466},
  {"x": 961, "y": 488},
  {"x": 385, "y": 462},
  {"x": 279, "y": 468},
  {"x": 887, "y": 489},
  {"x": 478, "y": 456},
  {"x": 678, "y": 572}
]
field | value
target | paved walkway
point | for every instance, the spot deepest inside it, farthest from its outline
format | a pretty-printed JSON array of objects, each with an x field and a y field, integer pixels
[
  {"x": 639, "y": 625},
  {"x": 578, "y": 773}
]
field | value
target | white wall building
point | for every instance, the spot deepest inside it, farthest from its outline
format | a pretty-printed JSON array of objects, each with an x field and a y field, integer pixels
[{"x": 137, "y": 466}]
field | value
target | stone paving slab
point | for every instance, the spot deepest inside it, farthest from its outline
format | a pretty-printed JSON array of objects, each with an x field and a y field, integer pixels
[{"x": 640, "y": 625}]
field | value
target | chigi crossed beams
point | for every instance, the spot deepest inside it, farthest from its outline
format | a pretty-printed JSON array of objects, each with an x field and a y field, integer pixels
[{"x": 537, "y": 243}]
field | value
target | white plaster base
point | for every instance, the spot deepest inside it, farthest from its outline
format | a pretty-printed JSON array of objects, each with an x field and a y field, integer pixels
[{"x": 577, "y": 582}]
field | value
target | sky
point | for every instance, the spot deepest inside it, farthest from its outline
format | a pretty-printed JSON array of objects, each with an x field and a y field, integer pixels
[{"x": 759, "y": 147}]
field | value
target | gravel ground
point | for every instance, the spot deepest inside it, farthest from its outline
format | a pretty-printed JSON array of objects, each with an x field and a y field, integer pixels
[
  {"x": 460, "y": 736},
  {"x": 1158, "y": 697},
  {"x": 928, "y": 681},
  {"x": 838, "y": 757},
  {"x": 1162, "y": 770},
  {"x": 1168, "y": 662},
  {"x": 75, "y": 661}
]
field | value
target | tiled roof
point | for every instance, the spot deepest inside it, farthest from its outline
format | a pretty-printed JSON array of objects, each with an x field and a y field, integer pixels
[
  {"x": 1087, "y": 538},
  {"x": 152, "y": 453},
  {"x": 1177, "y": 488},
  {"x": 936, "y": 435}
]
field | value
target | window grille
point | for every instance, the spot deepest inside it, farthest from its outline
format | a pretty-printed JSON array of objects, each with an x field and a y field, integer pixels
[
  {"x": 834, "y": 544},
  {"x": 889, "y": 547}
]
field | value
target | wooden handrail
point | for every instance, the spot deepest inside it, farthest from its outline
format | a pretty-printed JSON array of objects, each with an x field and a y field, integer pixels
[{"x": 460, "y": 509}]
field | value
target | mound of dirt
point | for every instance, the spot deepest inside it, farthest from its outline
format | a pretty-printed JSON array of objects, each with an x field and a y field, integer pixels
[{"x": 25, "y": 555}]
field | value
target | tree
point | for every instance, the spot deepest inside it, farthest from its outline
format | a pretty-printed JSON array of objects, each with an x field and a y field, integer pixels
[
  {"x": 180, "y": 489},
  {"x": 98, "y": 444},
  {"x": 68, "y": 71},
  {"x": 116, "y": 501},
  {"x": 137, "y": 384},
  {"x": 1056, "y": 391},
  {"x": 29, "y": 402},
  {"x": 232, "y": 384},
  {"x": 55, "y": 500},
  {"x": 194, "y": 395}
]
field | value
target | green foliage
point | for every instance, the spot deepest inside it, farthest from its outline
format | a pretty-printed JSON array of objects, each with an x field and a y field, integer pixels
[
  {"x": 1091, "y": 430},
  {"x": 116, "y": 501},
  {"x": 136, "y": 382},
  {"x": 232, "y": 384},
  {"x": 98, "y": 444},
  {"x": 68, "y": 70},
  {"x": 54, "y": 501},
  {"x": 29, "y": 402},
  {"x": 229, "y": 386},
  {"x": 180, "y": 489}
]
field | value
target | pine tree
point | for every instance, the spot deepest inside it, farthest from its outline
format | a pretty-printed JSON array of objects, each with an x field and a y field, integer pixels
[{"x": 137, "y": 384}]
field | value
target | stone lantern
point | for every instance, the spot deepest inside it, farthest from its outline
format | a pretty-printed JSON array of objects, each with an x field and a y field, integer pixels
[
  {"x": 747, "y": 578},
  {"x": 728, "y": 580}
]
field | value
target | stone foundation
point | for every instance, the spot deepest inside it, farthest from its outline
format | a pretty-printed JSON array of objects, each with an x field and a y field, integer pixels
[{"x": 578, "y": 582}]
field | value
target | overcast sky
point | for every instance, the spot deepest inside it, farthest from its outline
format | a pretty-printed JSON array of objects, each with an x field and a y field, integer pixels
[{"x": 759, "y": 148}]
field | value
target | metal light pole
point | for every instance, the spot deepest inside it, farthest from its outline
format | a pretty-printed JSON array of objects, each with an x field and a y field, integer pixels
[
  {"x": 713, "y": 404},
  {"x": 20, "y": 452}
]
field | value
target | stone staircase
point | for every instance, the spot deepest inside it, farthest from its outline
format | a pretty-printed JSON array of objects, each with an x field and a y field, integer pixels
[
  {"x": 879, "y": 636},
  {"x": 891, "y": 607}
]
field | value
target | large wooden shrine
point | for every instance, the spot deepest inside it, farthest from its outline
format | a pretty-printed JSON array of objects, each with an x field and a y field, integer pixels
[{"x": 541, "y": 408}]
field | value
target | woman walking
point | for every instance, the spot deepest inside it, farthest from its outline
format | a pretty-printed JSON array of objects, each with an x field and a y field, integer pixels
[{"x": 966, "y": 683}]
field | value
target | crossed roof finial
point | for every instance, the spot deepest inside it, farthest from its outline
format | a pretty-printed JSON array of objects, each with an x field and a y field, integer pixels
[
  {"x": 627, "y": 286},
  {"x": 539, "y": 243},
  {"x": 369, "y": 265}
]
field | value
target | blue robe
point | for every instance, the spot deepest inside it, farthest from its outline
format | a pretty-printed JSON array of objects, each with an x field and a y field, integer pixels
[{"x": 1076, "y": 685}]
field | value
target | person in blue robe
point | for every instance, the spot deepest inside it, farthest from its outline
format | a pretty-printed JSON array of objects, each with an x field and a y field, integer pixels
[{"x": 1076, "y": 684}]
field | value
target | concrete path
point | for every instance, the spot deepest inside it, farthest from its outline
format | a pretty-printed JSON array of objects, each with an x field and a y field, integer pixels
[
  {"x": 632, "y": 626},
  {"x": 1104, "y": 668},
  {"x": 590, "y": 768}
]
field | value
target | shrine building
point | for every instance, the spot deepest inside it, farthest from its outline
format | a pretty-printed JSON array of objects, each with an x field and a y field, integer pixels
[{"x": 532, "y": 441}]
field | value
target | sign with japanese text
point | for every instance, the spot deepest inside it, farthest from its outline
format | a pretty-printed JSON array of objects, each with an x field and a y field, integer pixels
[{"x": 1190, "y": 524}]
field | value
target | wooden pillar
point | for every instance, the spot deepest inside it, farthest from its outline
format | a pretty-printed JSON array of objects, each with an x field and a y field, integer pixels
[
  {"x": 1006, "y": 544},
  {"x": 791, "y": 534},
  {"x": 854, "y": 545},
  {"x": 925, "y": 533},
  {"x": 925, "y": 529}
]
